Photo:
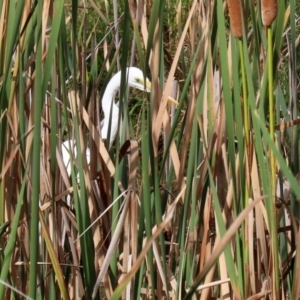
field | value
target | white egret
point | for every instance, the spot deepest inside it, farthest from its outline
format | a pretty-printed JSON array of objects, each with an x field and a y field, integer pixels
[{"x": 134, "y": 78}]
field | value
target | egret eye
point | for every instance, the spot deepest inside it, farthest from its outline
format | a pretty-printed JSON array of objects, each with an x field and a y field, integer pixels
[{"x": 139, "y": 80}]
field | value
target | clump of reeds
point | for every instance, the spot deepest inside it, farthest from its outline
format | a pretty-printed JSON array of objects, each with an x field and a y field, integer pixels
[
  {"x": 268, "y": 11},
  {"x": 236, "y": 19}
]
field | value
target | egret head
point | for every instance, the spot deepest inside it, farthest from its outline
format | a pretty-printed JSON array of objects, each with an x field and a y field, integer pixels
[{"x": 136, "y": 79}]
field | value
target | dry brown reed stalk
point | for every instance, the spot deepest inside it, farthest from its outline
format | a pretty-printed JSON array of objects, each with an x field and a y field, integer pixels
[
  {"x": 235, "y": 9},
  {"x": 268, "y": 11}
]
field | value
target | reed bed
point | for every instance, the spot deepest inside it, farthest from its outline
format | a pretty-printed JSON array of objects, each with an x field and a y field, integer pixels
[{"x": 194, "y": 201}]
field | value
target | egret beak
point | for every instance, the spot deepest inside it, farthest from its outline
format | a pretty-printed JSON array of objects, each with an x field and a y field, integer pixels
[
  {"x": 170, "y": 99},
  {"x": 148, "y": 85}
]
